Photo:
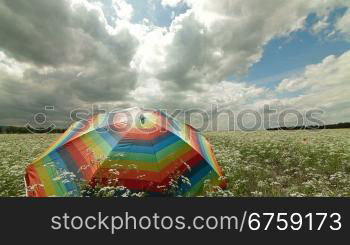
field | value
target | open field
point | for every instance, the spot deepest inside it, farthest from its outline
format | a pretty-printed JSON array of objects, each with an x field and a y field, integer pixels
[
  {"x": 265, "y": 163},
  {"x": 285, "y": 163}
]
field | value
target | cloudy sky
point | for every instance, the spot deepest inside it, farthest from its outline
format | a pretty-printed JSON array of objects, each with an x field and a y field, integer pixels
[{"x": 171, "y": 54}]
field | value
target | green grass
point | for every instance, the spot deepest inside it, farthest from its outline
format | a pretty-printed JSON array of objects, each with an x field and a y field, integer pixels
[
  {"x": 288, "y": 163},
  {"x": 266, "y": 163},
  {"x": 16, "y": 152}
]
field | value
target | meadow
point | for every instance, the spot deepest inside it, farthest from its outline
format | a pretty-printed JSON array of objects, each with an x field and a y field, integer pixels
[{"x": 264, "y": 163}]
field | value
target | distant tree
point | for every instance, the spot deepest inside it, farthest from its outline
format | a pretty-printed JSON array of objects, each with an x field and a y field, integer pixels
[
  {"x": 26, "y": 130},
  {"x": 310, "y": 127}
]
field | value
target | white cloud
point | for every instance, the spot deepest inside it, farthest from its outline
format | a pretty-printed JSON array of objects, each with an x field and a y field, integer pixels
[
  {"x": 183, "y": 65},
  {"x": 320, "y": 25},
  {"x": 343, "y": 24},
  {"x": 223, "y": 93},
  {"x": 11, "y": 67},
  {"x": 171, "y": 3},
  {"x": 324, "y": 85},
  {"x": 216, "y": 39},
  {"x": 123, "y": 9},
  {"x": 331, "y": 72}
]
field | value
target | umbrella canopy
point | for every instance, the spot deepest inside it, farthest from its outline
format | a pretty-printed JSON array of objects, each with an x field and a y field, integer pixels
[{"x": 142, "y": 150}]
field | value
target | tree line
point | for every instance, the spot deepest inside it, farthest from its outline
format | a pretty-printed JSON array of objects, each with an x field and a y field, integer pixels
[
  {"x": 51, "y": 130},
  {"x": 309, "y": 127},
  {"x": 29, "y": 130}
]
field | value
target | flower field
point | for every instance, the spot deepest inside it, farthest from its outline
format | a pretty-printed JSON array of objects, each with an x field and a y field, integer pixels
[{"x": 264, "y": 163}]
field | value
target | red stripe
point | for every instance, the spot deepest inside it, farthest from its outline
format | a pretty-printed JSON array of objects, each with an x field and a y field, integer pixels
[
  {"x": 88, "y": 156},
  {"x": 34, "y": 185},
  {"x": 146, "y": 135},
  {"x": 194, "y": 140},
  {"x": 149, "y": 175},
  {"x": 84, "y": 162},
  {"x": 146, "y": 180}
]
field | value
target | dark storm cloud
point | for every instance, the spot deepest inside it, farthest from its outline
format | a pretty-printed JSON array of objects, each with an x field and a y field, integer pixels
[
  {"x": 51, "y": 33},
  {"x": 73, "y": 55},
  {"x": 36, "y": 31},
  {"x": 73, "y": 59}
]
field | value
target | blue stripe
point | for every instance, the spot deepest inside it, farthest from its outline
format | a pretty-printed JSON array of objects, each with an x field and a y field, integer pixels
[
  {"x": 196, "y": 174},
  {"x": 70, "y": 163},
  {"x": 61, "y": 166},
  {"x": 108, "y": 138},
  {"x": 166, "y": 142},
  {"x": 200, "y": 174},
  {"x": 129, "y": 145},
  {"x": 203, "y": 152}
]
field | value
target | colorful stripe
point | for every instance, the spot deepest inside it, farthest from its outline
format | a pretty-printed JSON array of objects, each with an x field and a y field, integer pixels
[{"x": 143, "y": 149}]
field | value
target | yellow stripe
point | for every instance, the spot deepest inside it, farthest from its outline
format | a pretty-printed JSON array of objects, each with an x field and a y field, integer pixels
[
  {"x": 147, "y": 166},
  {"x": 46, "y": 180},
  {"x": 93, "y": 146}
]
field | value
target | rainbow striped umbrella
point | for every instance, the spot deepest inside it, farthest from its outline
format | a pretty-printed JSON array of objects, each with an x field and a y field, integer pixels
[{"x": 142, "y": 150}]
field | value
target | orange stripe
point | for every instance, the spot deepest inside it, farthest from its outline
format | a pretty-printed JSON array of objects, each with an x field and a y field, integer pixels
[{"x": 148, "y": 175}]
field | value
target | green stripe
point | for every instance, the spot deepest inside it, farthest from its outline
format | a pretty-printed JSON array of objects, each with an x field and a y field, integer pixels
[
  {"x": 198, "y": 189},
  {"x": 53, "y": 173},
  {"x": 148, "y": 162},
  {"x": 146, "y": 157},
  {"x": 47, "y": 174},
  {"x": 100, "y": 142}
]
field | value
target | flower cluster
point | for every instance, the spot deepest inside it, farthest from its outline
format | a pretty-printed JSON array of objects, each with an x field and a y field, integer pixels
[{"x": 264, "y": 163}]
